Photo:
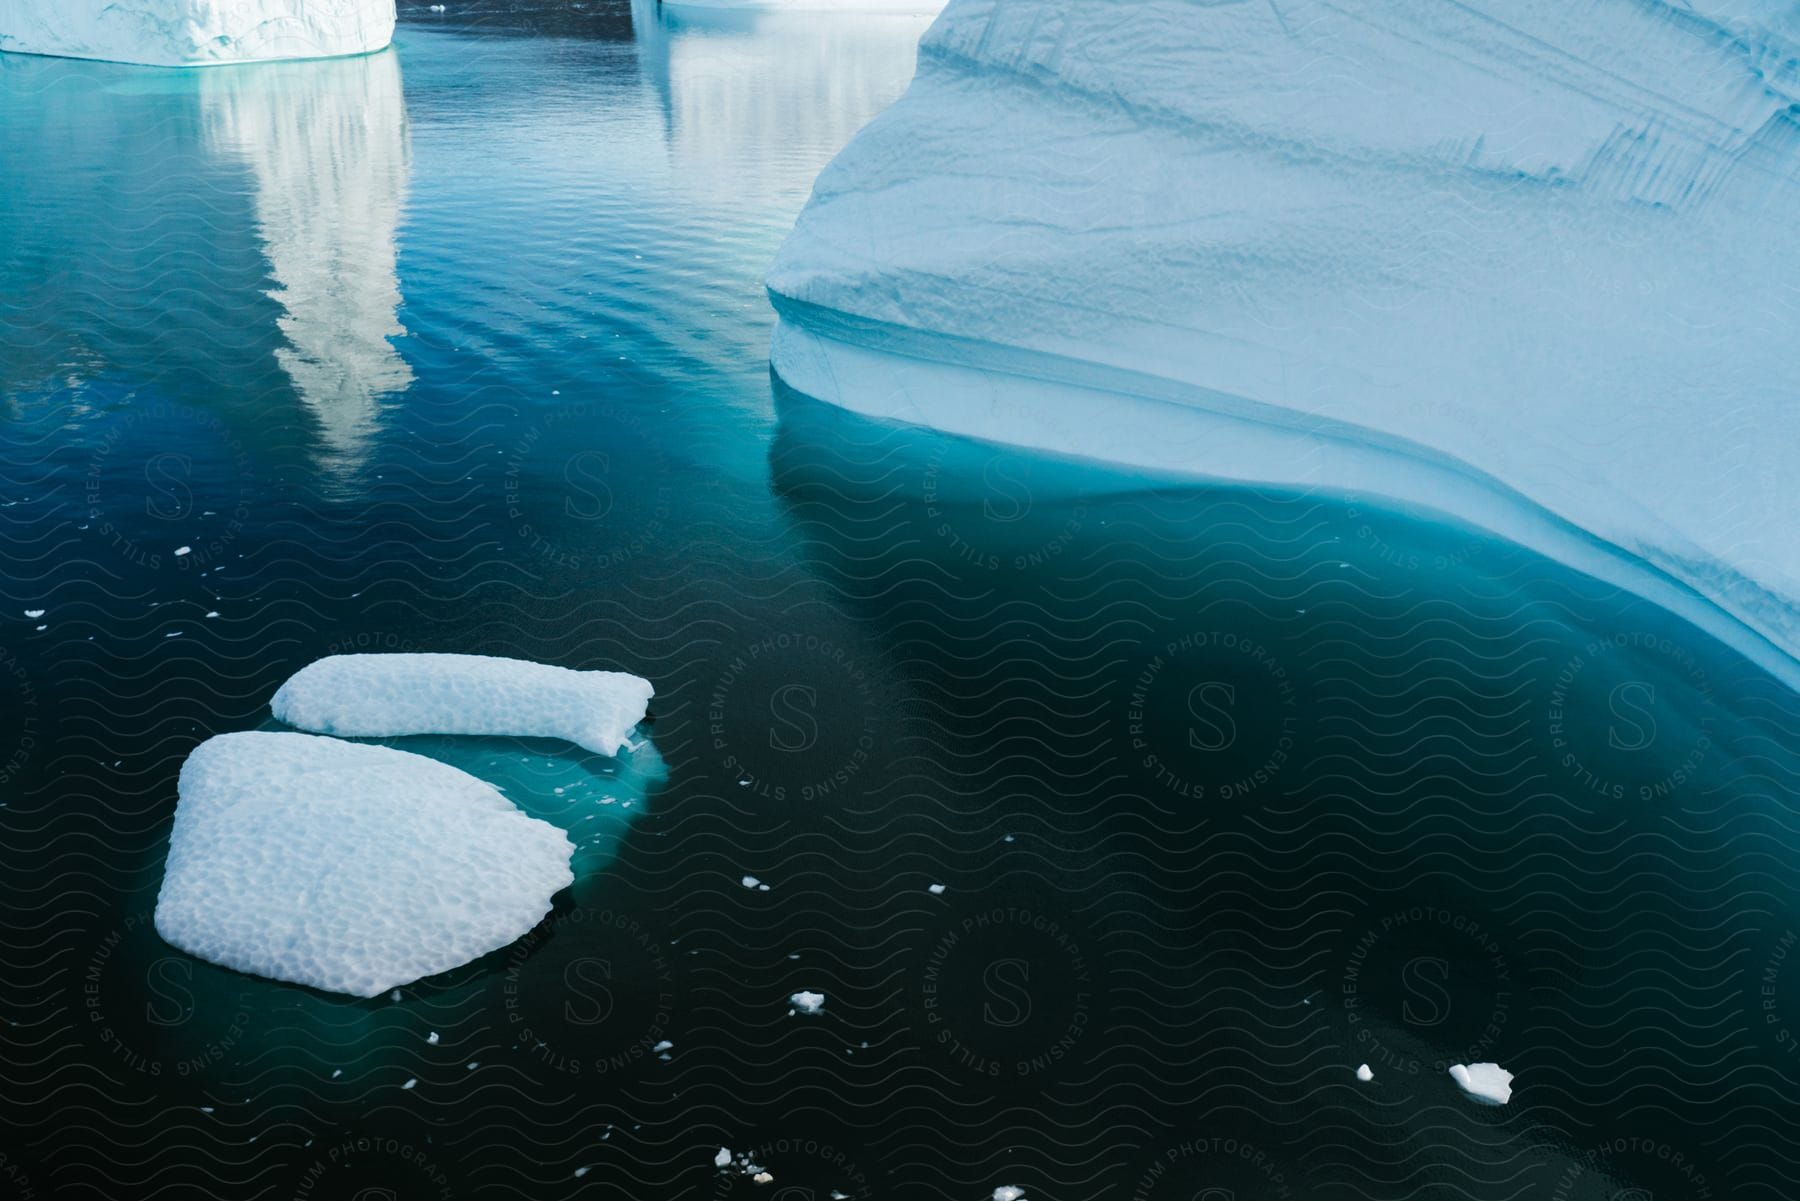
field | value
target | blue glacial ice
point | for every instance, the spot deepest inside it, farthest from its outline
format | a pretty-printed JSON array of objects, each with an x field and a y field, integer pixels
[{"x": 1530, "y": 265}]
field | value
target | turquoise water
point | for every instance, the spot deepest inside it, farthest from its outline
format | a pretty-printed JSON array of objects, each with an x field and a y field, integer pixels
[{"x": 463, "y": 347}]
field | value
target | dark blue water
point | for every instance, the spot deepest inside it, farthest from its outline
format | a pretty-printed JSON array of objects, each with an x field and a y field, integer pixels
[{"x": 462, "y": 347}]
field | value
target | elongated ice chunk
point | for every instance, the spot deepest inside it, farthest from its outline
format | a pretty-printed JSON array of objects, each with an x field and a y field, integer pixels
[
  {"x": 1526, "y": 263},
  {"x": 383, "y": 696},
  {"x": 347, "y": 867},
  {"x": 192, "y": 33}
]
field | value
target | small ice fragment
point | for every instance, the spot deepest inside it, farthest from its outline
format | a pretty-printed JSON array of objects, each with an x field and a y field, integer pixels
[
  {"x": 472, "y": 1065},
  {"x": 394, "y": 996},
  {"x": 206, "y": 1109},
  {"x": 749, "y": 881},
  {"x": 1009, "y": 1192},
  {"x": 723, "y": 1158},
  {"x": 808, "y": 1002},
  {"x": 1364, "y": 1074},
  {"x": 1488, "y": 1083},
  {"x": 432, "y": 1038},
  {"x": 183, "y": 550},
  {"x": 410, "y": 1082},
  {"x": 34, "y": 613},
  {"x": 761, "y": 1178},
  {"x": 336, "y": 1072},
  {"x": 212, "y": 613},
  {"x": 581, "y": 1172},
  {"x": 664, "y": 1045},
  {"x": 936, "y": 890}
]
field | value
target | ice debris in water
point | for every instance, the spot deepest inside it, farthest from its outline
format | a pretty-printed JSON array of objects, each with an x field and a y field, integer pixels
[
  {"x": 743, "y": 1165},
  {"x": 325, "y": 863},
  {"x": 808, "y": 1002},
  {"x": 34, "y": 613},
  {"x": 1364, "y": 1074},
  {"x": 1009, "y": 1192},
  {"x": 381, "y": 696},
  {"x": 1488, "y": 1083},
  {"x": 936, "y": 890}
]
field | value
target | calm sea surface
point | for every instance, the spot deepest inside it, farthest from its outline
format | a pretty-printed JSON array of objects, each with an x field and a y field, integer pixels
[{"x": 462, "y": 347}]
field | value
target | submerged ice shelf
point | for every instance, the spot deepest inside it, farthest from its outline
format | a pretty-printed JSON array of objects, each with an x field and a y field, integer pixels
[
  {"x": 192, "y": 33},
  {"x": 1526, "y": 266}
]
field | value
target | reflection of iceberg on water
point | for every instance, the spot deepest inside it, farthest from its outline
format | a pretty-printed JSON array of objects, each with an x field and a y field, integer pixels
[
  {"x": 1530, "y": 265},
  {"x": 192, "y": 33},
  {"x": 735, "y": 80},
  {"x": 327, "y": 146}
]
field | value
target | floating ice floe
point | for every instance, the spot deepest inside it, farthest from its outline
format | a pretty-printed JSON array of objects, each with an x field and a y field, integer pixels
[
  {"x": 935, "y": 890},
  {"x": 1488, "y": 1083},
  {"x": 190, "y": 33},
  {"x": 347, "y": 867},
  {"x": 807, "y": 1002},
  {"x": 1009, "y": 1192},
  {"x": 723, "y": 1158},
  {"x": 1364, "y": 1074},
  {"x": 34, "y": 613},
  {"x": 382, "y": 696},
  {"x": 1468, "y": 258}
]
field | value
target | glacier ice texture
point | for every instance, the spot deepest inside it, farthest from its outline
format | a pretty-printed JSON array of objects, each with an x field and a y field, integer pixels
[
  {"x": 195, "y": 33},
  {"x": 384, "y": 696},
  {"x": 1529, "y": 266},
  {"x": 347, "y": 867}
]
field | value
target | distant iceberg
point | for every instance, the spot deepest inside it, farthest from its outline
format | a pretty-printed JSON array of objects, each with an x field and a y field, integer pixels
[
  {"x": 194, "y": 33},
  {"x": 1528, "y": 265}
]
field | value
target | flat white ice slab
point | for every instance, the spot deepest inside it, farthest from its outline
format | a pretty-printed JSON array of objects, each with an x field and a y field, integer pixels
[
  {"x": 191, "y": 33},
  {"x": 1524, "y": 263},
  {"x": 385, "y": 696},
  {"x": 1488, "y": 1083},
  {"x": 347, "y": 867}
]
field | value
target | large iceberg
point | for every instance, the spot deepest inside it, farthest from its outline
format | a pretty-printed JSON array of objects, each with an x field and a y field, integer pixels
[
  {"x": 347, "y": 867},
  {"x": 194, "y": 33},
  {"x": 1531, "y": 265}
]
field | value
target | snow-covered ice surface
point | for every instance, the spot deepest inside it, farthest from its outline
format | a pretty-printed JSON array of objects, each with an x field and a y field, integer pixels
[
  {"x": 325, "y": 863},
  {"x": 189, "y": 33},
  {"x": 1527, "y": 265},
  {"x": 1488, "y": 1083},
  {"x": 382, "y": 696}
]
